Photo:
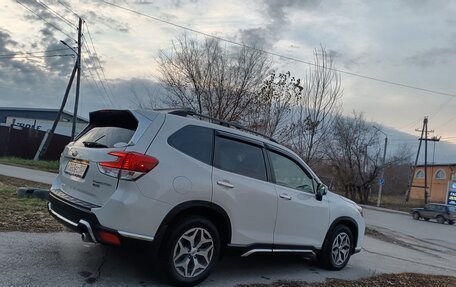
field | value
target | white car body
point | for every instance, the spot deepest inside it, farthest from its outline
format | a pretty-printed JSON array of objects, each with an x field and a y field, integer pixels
[{"x": 263, "y": 216}]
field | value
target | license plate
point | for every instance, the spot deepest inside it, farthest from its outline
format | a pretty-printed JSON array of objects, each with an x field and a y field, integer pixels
[{"x": 76, "y": 168}]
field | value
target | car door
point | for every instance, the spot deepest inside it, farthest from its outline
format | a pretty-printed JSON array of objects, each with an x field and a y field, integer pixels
[
  {"x": 301, "y": 218},
  {"x": 429, "y": 211},
  {"x": 240, "y": 186}
]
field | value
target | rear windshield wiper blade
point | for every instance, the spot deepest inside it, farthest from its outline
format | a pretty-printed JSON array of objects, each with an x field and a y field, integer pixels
[{"x": 94, "y": 144}]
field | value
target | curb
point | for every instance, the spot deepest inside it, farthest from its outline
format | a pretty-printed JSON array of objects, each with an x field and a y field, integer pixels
[
  {"x": 383, "y": 209},
  {"x": 29, "y": 192}
]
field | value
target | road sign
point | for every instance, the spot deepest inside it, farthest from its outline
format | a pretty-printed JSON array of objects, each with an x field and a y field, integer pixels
[{"x": 381, "y": 181}]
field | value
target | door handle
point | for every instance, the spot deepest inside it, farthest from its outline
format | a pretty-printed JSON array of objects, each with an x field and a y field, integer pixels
[
  {"x": 285, "y": 196},
  {"x": 225, "y": 183}
]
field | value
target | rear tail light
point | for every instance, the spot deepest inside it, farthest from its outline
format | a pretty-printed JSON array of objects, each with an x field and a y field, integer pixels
[{"x": 128, "y": 166}]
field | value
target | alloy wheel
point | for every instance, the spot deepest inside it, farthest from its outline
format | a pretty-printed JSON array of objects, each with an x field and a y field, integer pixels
[
  {"x": 340, "y": 250},
  {"x": 193, "y": 252}
]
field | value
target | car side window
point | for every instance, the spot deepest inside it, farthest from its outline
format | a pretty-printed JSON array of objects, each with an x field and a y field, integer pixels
[
  {"x": 290, "y": 174},
  {"x": 194, "y": 141},
  {"x": 239, "y": 157}
]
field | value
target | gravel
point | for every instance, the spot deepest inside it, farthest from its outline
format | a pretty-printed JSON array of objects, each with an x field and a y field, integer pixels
[{"x": 385, "y": 280}]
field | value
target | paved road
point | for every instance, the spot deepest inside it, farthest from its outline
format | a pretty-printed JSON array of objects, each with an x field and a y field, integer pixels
[
  {"x": 28, "y": 174},
  {"x": 61, "y": 259},
  {"x": 442, "y": 235}
]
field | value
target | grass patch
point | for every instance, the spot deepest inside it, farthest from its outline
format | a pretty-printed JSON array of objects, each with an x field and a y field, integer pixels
[
  {"x": 396, "y": 202},
  {"x": 24, "y": 214},
  {"x": 390, "y": 280},
  {"x": 44, "y": 165}
]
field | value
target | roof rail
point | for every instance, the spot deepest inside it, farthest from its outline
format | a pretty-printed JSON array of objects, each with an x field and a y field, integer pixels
[{"x": 184, "y": 112}]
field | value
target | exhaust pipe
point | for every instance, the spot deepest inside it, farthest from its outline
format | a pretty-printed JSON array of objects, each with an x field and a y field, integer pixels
[{"x": 86, "y": 237}]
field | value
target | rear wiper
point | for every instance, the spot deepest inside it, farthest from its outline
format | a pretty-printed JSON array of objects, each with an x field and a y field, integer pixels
[{"x": 94, "y": 144}]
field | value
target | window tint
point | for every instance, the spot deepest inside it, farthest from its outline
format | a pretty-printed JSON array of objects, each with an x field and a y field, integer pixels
[
  {"x": 290, "y": 174},
  {"x": 240, "y": 158},
  {"x": 194, "y": 141},
  {"x": 105, "y": 137}
]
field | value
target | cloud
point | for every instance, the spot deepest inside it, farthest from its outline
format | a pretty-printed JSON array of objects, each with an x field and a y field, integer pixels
[
  {"x": 432, "y": 56},
  {"x": 276, "y": 12}
]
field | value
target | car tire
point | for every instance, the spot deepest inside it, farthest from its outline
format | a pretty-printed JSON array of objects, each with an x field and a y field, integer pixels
[
  {"x": 451, "y": 222},
  {"x": 337, "y": 248},
  {"x": 440, "y": 219},
  {"x": 416, "y": 215},
  {"x": 193, "y": 242},
  {"x": 426, "y": 219}
]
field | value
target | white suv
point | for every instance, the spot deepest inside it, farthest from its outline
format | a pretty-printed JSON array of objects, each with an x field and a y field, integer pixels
[{"x": 194, "y": 187}]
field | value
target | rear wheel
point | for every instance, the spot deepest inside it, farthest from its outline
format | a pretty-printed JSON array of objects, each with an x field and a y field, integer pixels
[
  {"x": 337, "y": 248},
  {"x": 440, "y": 219},
  {"x": 191, "y": 251},
  {"x": 416, "y": 215}
]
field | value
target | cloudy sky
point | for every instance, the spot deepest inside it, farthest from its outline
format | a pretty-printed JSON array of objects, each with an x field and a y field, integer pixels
[{"x": 405, "y": 41}]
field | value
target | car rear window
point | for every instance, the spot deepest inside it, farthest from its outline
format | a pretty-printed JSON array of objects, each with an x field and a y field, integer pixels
[
  {"x": 194, "y": 141},
  {"x": 107, "y": 137},
  {"x": 452, "y": 208},
  {"x": 108, "y": 129}
]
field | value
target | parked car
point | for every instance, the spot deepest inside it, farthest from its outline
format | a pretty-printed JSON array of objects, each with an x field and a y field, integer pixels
[
  {"x": 196, "y": 187},
  {"x": 437, "y": 211}
]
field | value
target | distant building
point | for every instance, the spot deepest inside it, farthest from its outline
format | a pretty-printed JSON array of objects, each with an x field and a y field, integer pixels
[
  {"x": 441, "y": 182},
  {"x": 40, "y": 119}
]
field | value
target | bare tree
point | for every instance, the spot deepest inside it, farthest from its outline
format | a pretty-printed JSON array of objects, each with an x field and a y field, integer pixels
[
  {"x": 143, "y": 97},
  {"x": 273, "y": 104},
  {"x": 317, "y": 108},
  {"x": 212, "y": 79},
  {"x": 353, "y": 152}
]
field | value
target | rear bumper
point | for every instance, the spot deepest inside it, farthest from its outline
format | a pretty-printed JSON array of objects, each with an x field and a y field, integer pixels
[{"x": 80, "y": 218}]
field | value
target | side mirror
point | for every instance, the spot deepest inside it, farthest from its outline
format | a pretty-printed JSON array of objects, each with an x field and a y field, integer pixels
[{"x": 321, "y": 190}]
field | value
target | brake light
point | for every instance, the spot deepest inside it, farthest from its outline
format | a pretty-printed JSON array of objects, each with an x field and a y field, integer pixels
[{"x": 128, "y": 166}]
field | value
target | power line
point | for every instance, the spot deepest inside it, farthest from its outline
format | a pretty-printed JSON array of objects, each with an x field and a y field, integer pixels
[
  {"x": 56, "y": 14},
  {"x": 55, "y": 27},
  {"x": 281, "y": 56},
  {"x": 98, "y": 58},
  {"x": 69, "y": 9},
  {"x": 106, "y": 95},
  {"x": 31, "y": 53},
  {"x": 40, "y": 56}
]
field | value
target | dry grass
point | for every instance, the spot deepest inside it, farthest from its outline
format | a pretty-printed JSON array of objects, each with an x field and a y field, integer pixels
[
  {"x": 396, "y": 202},
  {"x": 44, "y": 165},
  {"x": 24, "y": 214},
  {"x": 385, "y": 280}
]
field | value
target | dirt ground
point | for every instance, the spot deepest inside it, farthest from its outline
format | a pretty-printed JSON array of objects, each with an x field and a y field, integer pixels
[
  {"x": 385, "y": 280},
  {"x": 24, "y": 214}
]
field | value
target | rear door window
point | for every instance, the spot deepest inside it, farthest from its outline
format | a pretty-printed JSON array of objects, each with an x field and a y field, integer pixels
[
  {"x": 194, "y": 141},
  {"x": 239, "y": 157}
]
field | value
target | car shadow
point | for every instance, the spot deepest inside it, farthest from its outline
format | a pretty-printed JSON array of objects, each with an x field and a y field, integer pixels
[{"x": 134, "y": 264}]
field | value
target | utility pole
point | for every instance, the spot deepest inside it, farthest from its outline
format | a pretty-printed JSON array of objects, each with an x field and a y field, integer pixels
[
  {"x": 78, "y": 82},
  {"x": 426, "y": 195},
  {"x": 424, "y": 132},
  {"x": 382, "y": 173},
  {"x": 77, "y": 66}
]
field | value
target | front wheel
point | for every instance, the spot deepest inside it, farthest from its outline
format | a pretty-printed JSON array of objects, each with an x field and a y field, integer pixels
[
  {"x": 337, "y": 248},
  {"x": 192, "y": 251},
  {"x": 440, "y": 219}
]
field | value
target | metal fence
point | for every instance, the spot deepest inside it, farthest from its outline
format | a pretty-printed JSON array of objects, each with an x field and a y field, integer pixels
[{"x": 24, "y": 142}]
